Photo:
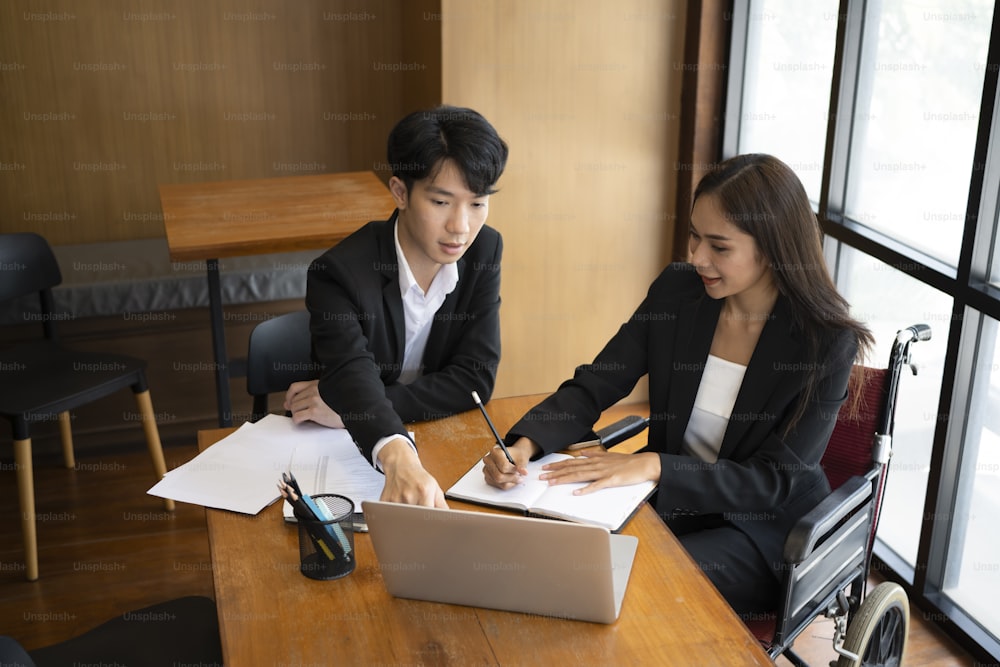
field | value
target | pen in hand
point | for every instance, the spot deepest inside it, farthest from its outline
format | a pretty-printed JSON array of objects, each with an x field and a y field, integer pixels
[{"x": 489, "y": 422}]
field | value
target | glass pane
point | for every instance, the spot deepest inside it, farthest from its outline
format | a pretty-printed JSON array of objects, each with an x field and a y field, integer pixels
[
  {"x": 994, "y": 225},
  {"x": 972, "y": 579},
  {"x": 786, "y": 87},
  {"x": 920, "y": 86},
  {"x": 989, "y": 208},
  {"x": 887, "y": 300}
]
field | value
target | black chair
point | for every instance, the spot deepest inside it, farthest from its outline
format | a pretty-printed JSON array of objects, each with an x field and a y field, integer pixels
[
  {"x": 828, "y": 552},
  {"x": 184, "y": 631},
  {"x": 43, "y": 380},
  {"x": 279, "y": 353}
]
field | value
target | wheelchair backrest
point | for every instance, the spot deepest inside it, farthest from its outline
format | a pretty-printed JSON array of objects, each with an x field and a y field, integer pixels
[{"x": 849, "y": 451}]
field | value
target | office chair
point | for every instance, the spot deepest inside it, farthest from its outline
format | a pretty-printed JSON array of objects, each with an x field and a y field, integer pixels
[
  {"x": 184, "y": 631},
  {"x": 828, "y": 552},
  {"x": 44, "y": 380},
  {"x": 279, "y": 353}
]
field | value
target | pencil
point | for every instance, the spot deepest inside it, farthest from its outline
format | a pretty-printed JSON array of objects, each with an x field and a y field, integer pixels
[{"x": 489, "y": 422}]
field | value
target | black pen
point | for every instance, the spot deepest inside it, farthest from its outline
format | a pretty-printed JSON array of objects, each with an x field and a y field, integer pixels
[
  {"x": 493, "y": 428},
  {"x": 330, "y": 536},
  {"x": 303, "y": 512},
  {"x": 290, "y": 480}
]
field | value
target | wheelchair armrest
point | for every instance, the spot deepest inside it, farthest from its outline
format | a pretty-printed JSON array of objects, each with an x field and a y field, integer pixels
[
  {"x": 622, "y": 430},
  {"x": 803, "y": 536}
]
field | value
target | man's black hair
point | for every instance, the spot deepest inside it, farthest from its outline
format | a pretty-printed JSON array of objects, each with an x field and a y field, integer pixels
[{"x": 421, "y": 141}]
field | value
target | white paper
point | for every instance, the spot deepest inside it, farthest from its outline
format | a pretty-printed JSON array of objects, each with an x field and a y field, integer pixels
[
  {"x": 240, "y": 472},
  {"x": 334, "y": 465}
]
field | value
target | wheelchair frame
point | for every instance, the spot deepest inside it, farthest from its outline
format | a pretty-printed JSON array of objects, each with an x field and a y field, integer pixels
[{"x": 829, "y": 551}]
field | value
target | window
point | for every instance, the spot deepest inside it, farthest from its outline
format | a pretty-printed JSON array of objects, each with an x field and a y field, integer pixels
[
  {"x": 919, "y": 85},
  {"x": 901, "y": 301},
  {"x": 970, "y": 576},
  {"x": 897, "y": 101},
  {"x": 789, "y": 66}
]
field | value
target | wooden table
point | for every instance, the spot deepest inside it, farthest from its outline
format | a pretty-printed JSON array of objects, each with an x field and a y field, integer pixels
[
  {"x": 269, "y": 613},
  {"x": 207, "y": 221}
]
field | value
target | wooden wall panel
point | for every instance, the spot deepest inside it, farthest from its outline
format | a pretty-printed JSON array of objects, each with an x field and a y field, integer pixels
[
  {"x": 587, "y": 94},
  {"x": 104, "y": 100},
  {"x": 703, "y": 98}
]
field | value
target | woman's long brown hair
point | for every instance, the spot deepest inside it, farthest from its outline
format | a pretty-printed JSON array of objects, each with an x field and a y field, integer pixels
[{"x": 763, "y": 197}]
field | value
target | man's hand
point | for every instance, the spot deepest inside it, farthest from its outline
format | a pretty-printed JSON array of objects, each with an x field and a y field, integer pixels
[
  {"x": 304, "y": 402},
  {"x": 500, "y": 473},
  {"x": 406, "y": 481}
]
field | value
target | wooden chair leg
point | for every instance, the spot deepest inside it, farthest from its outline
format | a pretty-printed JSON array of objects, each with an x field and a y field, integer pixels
[
  {"x": 26, "y": 496},
  {"x": 66, "y": 435},
  {"x": 145, "y": 404}
]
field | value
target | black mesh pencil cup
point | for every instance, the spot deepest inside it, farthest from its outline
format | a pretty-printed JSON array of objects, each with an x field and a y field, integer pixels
[{"x": 326, "y": 548}]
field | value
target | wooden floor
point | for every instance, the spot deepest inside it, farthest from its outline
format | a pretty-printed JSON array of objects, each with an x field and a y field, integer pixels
[{"x": 106, "y": 547}]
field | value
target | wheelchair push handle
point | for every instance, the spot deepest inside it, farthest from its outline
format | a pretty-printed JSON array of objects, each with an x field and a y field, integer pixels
[
  {"x": 898, "y": 357},
  {"x": 913, "y": 333}
]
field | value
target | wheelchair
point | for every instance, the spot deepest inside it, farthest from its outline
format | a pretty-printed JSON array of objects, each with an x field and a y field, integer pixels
[{"x": 828, "y": 553}]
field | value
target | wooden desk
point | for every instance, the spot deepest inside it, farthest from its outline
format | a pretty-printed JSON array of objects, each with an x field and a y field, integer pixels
[
  {"x": 269, "y": 613},
  {"x": 206, "y": 221}
]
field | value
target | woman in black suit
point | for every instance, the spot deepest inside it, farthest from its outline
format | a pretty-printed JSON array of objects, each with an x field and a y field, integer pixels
[{"x": 749, "y": 349}]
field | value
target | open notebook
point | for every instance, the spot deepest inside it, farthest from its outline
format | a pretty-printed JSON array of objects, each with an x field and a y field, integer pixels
[
  {"x": 610, "y": 508},
  {"x": 499, "y": 561}
]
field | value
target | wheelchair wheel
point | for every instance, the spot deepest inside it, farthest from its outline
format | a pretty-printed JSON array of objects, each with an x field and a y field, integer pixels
[{"x": 877, "y": 632}]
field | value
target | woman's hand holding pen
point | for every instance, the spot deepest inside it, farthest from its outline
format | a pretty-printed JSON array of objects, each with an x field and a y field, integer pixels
[
  {"x": 499, "y": 472},
  {"x": 603, "y": 469}
]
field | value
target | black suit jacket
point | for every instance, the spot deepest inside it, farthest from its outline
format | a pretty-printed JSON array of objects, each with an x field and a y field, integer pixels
[
  {"x": 358, "y": 333},
  {"x": 765, "y": 478}
]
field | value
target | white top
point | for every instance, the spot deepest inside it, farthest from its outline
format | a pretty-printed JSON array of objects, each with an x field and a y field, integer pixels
[
  {"x": 419, "y": 309},
  {"x": 713, "y": 406}
]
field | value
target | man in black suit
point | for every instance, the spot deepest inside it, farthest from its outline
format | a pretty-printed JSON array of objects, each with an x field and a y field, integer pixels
[{"x": 405, "y": 312}]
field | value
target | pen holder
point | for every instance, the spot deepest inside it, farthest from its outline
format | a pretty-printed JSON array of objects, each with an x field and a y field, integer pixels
[{"x": 326, "y": 548}]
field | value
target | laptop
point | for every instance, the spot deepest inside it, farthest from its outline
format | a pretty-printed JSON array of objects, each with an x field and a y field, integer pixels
[{"x": 514, "y": 563}]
